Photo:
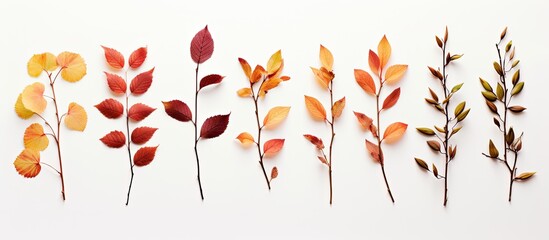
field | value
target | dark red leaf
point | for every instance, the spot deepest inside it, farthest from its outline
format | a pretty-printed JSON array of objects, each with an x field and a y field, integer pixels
[
  {"x": 114, "y": 139},
  {"x": 144, "y": 156},
  {"x": 141, "y": 83},
  {"x": 210, "y": 79},
  {"x": 114, "y": 58},
  {"x": 140, "y": 111},
  {"x": 138, "y": 57},
  {"x": 392, "y": 99},
  {"x": 214, "y": 126},
  {"x": 110, "y": 108},
  {"x": 178, "y": 110},
  {"x": 116, "y": 83},
  {"x": 202, "y": 46},
  {"x": 142, "y": 135}
]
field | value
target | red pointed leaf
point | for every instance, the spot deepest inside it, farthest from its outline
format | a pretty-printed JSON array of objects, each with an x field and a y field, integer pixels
[
  {"x": 315, "y": 141},
  {"x": 144, "y": 156},
  {"x": 138, "y": 57},
  {"x": 392, "y": 99},
  {"x": 140, "y": 111},
  {"x": 142, "y": 135},
  {"x": 178, "y": 110},
  {"x": 202, "y": 46},
  {"x": 116, "y": 83},
  {"x": 110, "y": 108},
  {"x": 273, "y": 146},
  {"x": 114, "y": 139},
  {"x": 210, "y": 79},
  {"x": 114, "y": 58},
  {"x": 141, "y": 83},
  {"x": 214, "y": 126}
]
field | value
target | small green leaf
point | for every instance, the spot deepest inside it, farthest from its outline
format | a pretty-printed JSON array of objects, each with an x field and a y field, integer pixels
[
  {"x": 486, "y": 85},
  {"x": 463, "y": 115},
  {"x": 508, "y": 46},
  {"x": 516, "y": 77},
  {"x": 457, "y": 87},
  {"x": 459, "y": 108},
  {"x": 517, "y": 89},
  {"x": 499, "y": 91},
  {"x": 498, "y": 69},
  {"x": 426, "y": 131},
  {"x": 515, "y": 63},
  {"x": 490, "y": 96}
]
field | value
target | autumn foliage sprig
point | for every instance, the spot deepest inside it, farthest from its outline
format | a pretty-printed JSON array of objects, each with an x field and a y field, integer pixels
[
  {"x": 32, "y": 101},
  {"x": 202, "y": 47},
  {"x": 505, "y": 91},
  {"x": 113, "y": 109},
  {"x": 450, "y": 128},
  {"x": 268, "y": 79},
  {"x": 325, "y": 77},
  {"x": 393, "y": 74}
]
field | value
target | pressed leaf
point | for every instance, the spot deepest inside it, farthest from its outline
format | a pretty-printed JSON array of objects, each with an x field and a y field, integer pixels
[
  {"x": 141, "y": 135},
  {"x": 41, "y": 62},
  {"x": 490, "y": 96},
  {"x": 463, "y": 115},
  {"x": 142, "y": 82},
  {"x": 257, "y": 74},
  {"x": 394, "y": 132},
  {"x": 323, "y": 160},
  {"x": 110, "y": 108},
  {"x": 373, "y": 149},
  {"x": 422, "y": 163},
  {"x": 457, "y": 87},
  {"x": 27, "y": 163},
  {"x": 268, "y": 85},
  {"x": 274, "y": 63},
  {"x": 272, "y": 147},
  {"x": 395, "y": 73},
  {"x": 275, "y": 116},
  {"x": 114, "y": 139},
  {"x": 140, "y": 111},
  {"x": 76, "y": 118},
  {"x": 517, "y": 89},
  {"x": 392, "y": 99},
  {"x": 494, "y": 153},
  {"x": 116, "y": 83},
  {"x": 486, "y": 85},
  {"x": 439, "y": 42},
  {"x": 35, "y": 138},
  {"x": 426, "y": 131},
  {"x": 435, "y": 170},
  {"x": 20, "y": 109},
  {"x": 244, "y": 92},
  {"x": 144, "y": 156},
  {"x": 72, "y": 65},
  {"x": 365, "y": 121},
  {"x": 492, "y": 107},
  {"x": 459, "y": 108},
  {"x": 323, "y": 76},
  {"x": 384, "y": 51},
  {"x": 210, "y": 79},
  {"x": 202, "y": 46},
  {"x": 178, "y": 110},
  {"x": 214, "y": 126},
  {"x": 517, "y": 109},
  {"x": 246, "y": 68},
  {"x": 137, "y": 57},
  {"x": 274, "y": 173},
  {"x": 499, "y": 91},
  {"x": 338, "y": 107},
  {"x": 315, "y": 108},
  {"x": 33, "y": 98},
  {"x": 516, "y": 77},
  {"x": 525, "y": 175},
  {"x": 436, "y": 73},
  {"x": 315, "y": 141},
  {"x": 510, "y": 136},
  {"x": 498, "y": 69},
  {"x": 245, "y": 138},
  {"x": 365, "y": 81},
  {"x": 326, "y": 58},
  {"x": 114, "y": 58},
  {"x": 373, "y": 61},
  {"x": 433, "y": 144}
]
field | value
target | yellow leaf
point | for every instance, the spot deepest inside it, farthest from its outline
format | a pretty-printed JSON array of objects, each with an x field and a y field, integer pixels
[
  {"x": 73, "y": 66},
  {"x": 384, "y": 51},
  {"x": 326, "y": 58},
  {"x": 394, "y": 132},
  {"x": 27, "y": 163},
  {"x": 268, "y": 85},
  {"x": 275, "y": 116},
  {"x": 76, "y": 118},
  {"x": 35, "y": 138},
  {"x": 20, "y": 109},
  {"x": 274, "y": 62},
  {"x": 245, "y": 138},
  {"x": 244, "y": 92},
  {"x": 315, "y": 108},
  {"x": 40, "y": 62},
  {"x": 395, "y": 73},
  {"x": 338, "y": 107},
  {"x": 33, "y": 98},
  {"x": 323, "y": 76}
]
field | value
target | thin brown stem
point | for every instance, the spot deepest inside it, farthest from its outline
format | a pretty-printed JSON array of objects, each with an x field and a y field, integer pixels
[
  {"x": 58, "y": 135},
  {"x": 196, "y": 138},
  {"x": 331, "y": 140},
  {"x": 259, "y": 128},
  {"x": 379, "y": 139},
  {"x": 129, "y": 148}
]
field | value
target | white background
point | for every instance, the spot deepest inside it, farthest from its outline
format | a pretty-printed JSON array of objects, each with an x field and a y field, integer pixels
[{"x": 165, "y": 201}]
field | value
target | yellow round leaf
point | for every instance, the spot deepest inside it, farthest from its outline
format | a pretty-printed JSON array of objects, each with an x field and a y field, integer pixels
[
  {"x": 20, "y": 109},
  {"x": 73, "y": 66},
  {"x": 27, "y": 163},
  {"x": 35, "y": 138},
  {"x": 40, "y": 62},
  {"x": 275, "y": 116},
  {"x": 33, "y": 98},
  {"x": 76, "y": 118},
  {"x": 245, "y": 138}
]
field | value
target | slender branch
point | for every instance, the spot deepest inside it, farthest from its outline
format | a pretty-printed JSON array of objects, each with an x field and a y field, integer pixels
[
  {"x": 196, "y": 138},
  {"x": 331, "y": 88},
  {"x": 446, "y": 134},
  {"x": 58, "y": 138},
  {"x": 379, "y": 140},
  {"x": 50, "y": 167},
  {"x": 255, "y": 98},
  {"x": 128, "y": 145}
]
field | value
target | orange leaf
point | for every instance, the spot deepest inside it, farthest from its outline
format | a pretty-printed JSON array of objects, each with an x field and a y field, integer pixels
[
  {"x": 257, "y": 74},
  {"x": 384, "y": 51},
  {"x": 33, "y": 98},
  {"x": 326, "y": 58},
  {"x": 20, "y": 109},
  {"x": 272, "y": 147},
  {"x": 364, "y": 120},
  {"x": 114, "y": 139},
  {"x": 365, "y": 81},
  {"x": 373, "y": 149},
  {"x": 394, "y": 132},
  {"x": 268, "y": 85},
  {"x": 274, "y": 63},
  {"x": 275, "y": 116},
  {"x": 140, "y": 111},
  {"x": 323, "y": 160},
  {"x": 244, "y": 92},
  {"x": 178, "y": 110},
  {"x": 373, "y": 61},
  {"x": 323, "y": 76},
  {"x": 214, "y": 126},
  {"x": 315, "y": 141},
  {"x": 76, "y": 118},
  {"x": 395, "y": 73},
  {"x": 141, "y": 135},
  {"x": 116, "y": 83},
  {"x": 202, "y": 46},
  {"x": 144, "y": 156},
  {"x": 114, "y": 58},
  {"x": 73, "y": 67},
  {"x": 246, "y": 68},
  {"x": 27, "y": 163},
  {"x": 110, "y": 108},
  {"x": 315, "y": 108},
  {"x": 35, "y": 138},
  {"x": 245, "y": 138},
  {"x": 337, "y": 109},
  {"x": 142, "y": 82},
  {"x": 274, "y": 173},
  {"x": 138, "y": 57},
  {"x": 392, "y": 99}
]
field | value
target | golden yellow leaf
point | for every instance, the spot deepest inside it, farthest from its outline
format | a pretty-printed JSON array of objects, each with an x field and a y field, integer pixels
[
  {"x": 323, "y": 76},
  {"x": 35, "y": 138},
  {"x": 33, "y": 98},
  {"x": 394, "y": 132},
  {"x": 279, "y": 71},
  {"x": 395, "y": 73},
  {"x": 338, "y": 107},
  {"x": 27, "y": 163},
  {"x": 76, "y": 118},
  {"x": 275, "y": 116},
  {"x": 274, "y": 62},
  {"x": 326, "y": 58},
  {"x": 40, "y": 62},
  {"x": 73, "y": 66},
  {"x": 244, "y": 92},
  {"x": 315, "y": 108},
  {"x": 384, "y": 51},
  {"x": 20, "y": 109},
  {"x": 268, "y": 85},
  {"x": 245, "y": 138}
]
